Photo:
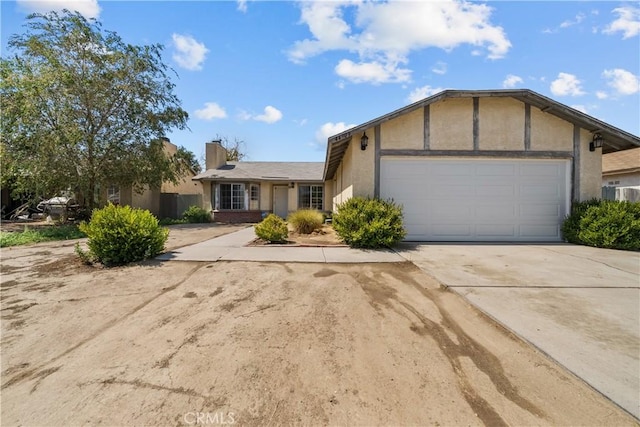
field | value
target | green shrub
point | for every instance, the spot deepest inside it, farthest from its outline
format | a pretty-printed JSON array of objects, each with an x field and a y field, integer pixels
[
  {"x": 121, "y": 234},
  {"x": 369, "y": 223},
  {"x": 571, "y": 224},
  {"x": 272, "y": 229},
  {"x": 306, "y": 221},
  {"x": 196, "y": 215},
  {"x": 611, "y": 224}
]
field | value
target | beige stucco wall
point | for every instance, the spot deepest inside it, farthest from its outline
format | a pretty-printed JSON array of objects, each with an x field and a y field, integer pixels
[
  {"x": 207, "y": 202},
  {"x": 451, "y": 124},
  {"x": 405, "y": 132},
  {"x": 149, "y": 199},
  {"x": 355, "y": 175},
  {"x": 590, "y": 168},
  {"x": 266, "y": 196},
  {"x": 549, "y": 132},
  {"x": 184, "y": 186},
  {"x": 501, "y": 124}
]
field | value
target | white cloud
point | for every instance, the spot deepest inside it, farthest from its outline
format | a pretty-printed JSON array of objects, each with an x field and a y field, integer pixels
[
  {"x": 569, "y": 23},
  {"x": 601, "y": 94},
  {"x": 383, "y": 34},
  {"x": 242, "y": 5},
  {"x": 189, "y": 53},
  {"x": 211, "y": 111},
  {"x": 271, "y": 115},
  {"x": 372, "y": 72},
  {"x": 566, "y": 85},
  {"x": 512, "y": 81},
  {"x": 87, "y": 8},
  {"x": 329, "y": 129},
  {"x": 628, "y": 22},
  {"x": 624, "y": 82},
  {"x": 440, "y": 68},
  {"x": 580, "y": 108},
  {"x": 422, "y": 92}
]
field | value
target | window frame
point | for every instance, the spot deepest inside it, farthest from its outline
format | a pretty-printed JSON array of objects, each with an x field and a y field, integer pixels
[
  {"x": 314, "y": 201},
  {"x": 236, "y": 194}
]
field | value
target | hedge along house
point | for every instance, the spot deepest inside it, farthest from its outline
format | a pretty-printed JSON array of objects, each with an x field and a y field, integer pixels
[
  {"x": 495, "y": 165},
  {"x": 247, "y": 191}
]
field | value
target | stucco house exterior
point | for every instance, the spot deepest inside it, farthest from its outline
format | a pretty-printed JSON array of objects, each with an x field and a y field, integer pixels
[
  {"x": 488, "y": 165},
  {"x": 621, "y": 174},
  {"x": 247, "y": 191},
  {"x": 151, "y": 198}
]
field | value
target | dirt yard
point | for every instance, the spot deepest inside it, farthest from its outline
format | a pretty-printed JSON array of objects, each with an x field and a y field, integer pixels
[{"x": 185, "y": 343}]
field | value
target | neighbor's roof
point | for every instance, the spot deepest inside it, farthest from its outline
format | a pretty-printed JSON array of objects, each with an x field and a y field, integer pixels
[
  {"x": 614, "y": 139},
  {"x": 264, "y": 171},
  {"x": 621, "y": 161}
]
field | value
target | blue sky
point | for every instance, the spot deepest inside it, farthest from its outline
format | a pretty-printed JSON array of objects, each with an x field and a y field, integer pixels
[{"x": 283, "y": 76}]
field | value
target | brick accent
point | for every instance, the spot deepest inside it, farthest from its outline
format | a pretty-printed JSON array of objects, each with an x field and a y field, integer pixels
[{"x": 237, "y": 216}]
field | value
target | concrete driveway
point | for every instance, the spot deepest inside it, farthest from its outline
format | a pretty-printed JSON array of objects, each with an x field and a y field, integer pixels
[{"x": 579, "y": 305}]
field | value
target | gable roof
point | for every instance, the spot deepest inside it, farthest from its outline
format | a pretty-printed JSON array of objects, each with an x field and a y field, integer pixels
[
  {"x": 614, "y": 139},
  {"x": 264, "y": 171},
  {"x": 621, "y": 161}
]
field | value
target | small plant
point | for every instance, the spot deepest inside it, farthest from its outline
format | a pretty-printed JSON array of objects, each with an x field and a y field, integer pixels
[
  {"x": 369, "y": 223},
  {"x": 306, "y": 221},
  {"x": 121, "y": 234},
  {"x": 272, "y": 229},
  {"x": 196, "y": 215},
  {"x": 85, "y": 256}
]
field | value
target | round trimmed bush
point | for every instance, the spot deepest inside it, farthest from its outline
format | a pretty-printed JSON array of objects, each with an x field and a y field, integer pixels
[
  {"x": 121, "y": 234},
  {"x": 196, "y": 215},
  {"x": 306, "y": 221},
  {"x": 611, "y": 224},
  {"x": 369, "y": 223},
  {"x": 272, "y": 229}
]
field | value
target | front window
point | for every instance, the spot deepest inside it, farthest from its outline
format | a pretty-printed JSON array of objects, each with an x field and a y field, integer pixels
[
  {"x": 113, "y": 194},
  {"x": 310, "y": 196},
  {"x": 232, "y": 196}
]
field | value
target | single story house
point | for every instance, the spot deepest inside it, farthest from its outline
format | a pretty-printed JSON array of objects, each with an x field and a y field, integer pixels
[
  {"x": 153, "y": 199},
  {"x": 486, "y": 165},
  {"x": 247, "y": 191},
  {"x": 621, "y": 174}
]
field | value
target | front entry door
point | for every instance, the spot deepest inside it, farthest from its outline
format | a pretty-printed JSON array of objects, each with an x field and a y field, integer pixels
[{"x": 281, "y": 201}]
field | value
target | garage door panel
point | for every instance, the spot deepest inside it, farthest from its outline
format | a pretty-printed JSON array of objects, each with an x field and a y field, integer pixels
[
  {"x": 456, "y": 230},
  {"x": 478, "y": 199},
  {"x": 539, "y": 231},
  {"x": 538, "y": 210},
  {"x": 495, "y": 170},
  {"x": 498, "y": 212},
  {"x": 548, "y": 170},
  {"x": 494, "y": 231},
  {"x": 506, "y": 190},
  {"x": 536, "y": 191}
]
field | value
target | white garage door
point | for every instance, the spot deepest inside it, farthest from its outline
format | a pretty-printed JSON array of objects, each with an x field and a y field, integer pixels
[{"x": 478, "y": 200}]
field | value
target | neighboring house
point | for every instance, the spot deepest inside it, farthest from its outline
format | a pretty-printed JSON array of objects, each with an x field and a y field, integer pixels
[
  {"x": 489, "y": 165},
  {"x": 621, "y": 175},
  {"x": 162, "y": 202},
  {"x": 247, "y": 191}
]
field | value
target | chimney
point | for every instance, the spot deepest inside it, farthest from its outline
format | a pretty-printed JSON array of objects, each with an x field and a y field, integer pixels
[{"x": 215, "y": 154}]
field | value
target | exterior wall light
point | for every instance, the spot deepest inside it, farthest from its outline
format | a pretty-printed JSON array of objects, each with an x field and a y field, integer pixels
[
  {"x": 596, "y": 142},
  {"x": 364, "y": 141}
]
